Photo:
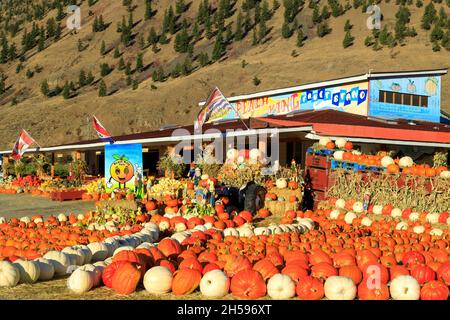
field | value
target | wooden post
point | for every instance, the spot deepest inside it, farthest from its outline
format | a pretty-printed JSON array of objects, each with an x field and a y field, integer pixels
[
  {"x": 52, "y": 170},
  {"x": 5, "y": 166}
]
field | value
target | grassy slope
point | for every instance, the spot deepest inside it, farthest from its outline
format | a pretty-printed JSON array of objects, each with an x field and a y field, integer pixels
[{"x": 54, "y": 121}]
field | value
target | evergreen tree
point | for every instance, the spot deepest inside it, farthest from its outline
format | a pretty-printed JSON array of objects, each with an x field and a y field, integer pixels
[
  {"x": 429, "y": 16},
  {"x": 152, "y": 37},
  {"x": 128, "y": 68},
  {"x": 51, "y": 28},
  {"x": 90, "y": 78},
  {"x": 121, "y": 64},
  {"x": 419, "y": 3},
  {"x": 286, "y": 31},
  {"x": 141, "y": 41},
  {"x": 255, "y": 38},
  {"x": 116, "y": 53},
  {"x": 265, "y": 11},
  {"x": 135, "y": 84},
  {"x": 59, "y": 11},
  {"x": 58, "y": 31},
  {"x": 82, "y": 81},
  {"x": 239, "y": 33},
  {"x": 325, "y": 13},
  {"x": 445, "y": 42},
  {"x": 163, "y": 38},
  {"x": 347, "y": 26},
  {"x": 12, "y": 54},
  {"x": 208, "y": 27},
  {"x": 66, "y": 91},
  {"x": 104, "y": 69},
  {"x": 103, "y": 48},
  {"x": 95, "y": 25},
  {"x": 384, "y": 36},
  {"x": 181, "y": 42},
  {"x": 140, "y": 63},
  {"x": 228, "y": 35},
  {"x": 2, "y": 84},
  {"x": 219, "y": 48},
  {"x": 44, "y": 88},
  {"x": 186, "y": 67},
  {"x": 4, "y": 51},
  {"x": 180, "y": 6},
  {"x": 436, "y": 46},
  {"x": 316, "y": 17},
  {"x": 437, "y": 33},
  {"x": 148, "y": 9},
  {"x": 102, "y": 89},
  {"x": 323, "y": 29},
  {"x": 257, "y": 13},
  {"x": 348, "y": 40},
  {"x": 203, "y": 59},
  {"x": 262, "y": 30},
  {"x": 300, "y": 37}
]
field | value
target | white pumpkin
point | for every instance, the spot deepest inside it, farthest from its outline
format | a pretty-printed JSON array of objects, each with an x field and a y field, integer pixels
[
  {"x": 366, "y": 221},
  {"x": 230, "y": 232},
  {"x": 99, "y": 251},
  {"x": 414, "y": 216},
  {"x": 386, "y": 160},
  {"x": 245, "y": 232},
  {"x": 280, "y": 287},
  {"x": 46, "y": 269},
  {"x": 405, "y": 162},
  {"x": 323, "y": 141},
  {"x": 29, "y": 271},
  {"x": 180, "y": 227},
  {"x": 281, "y": 183},
  {"x": 339, "y": 288},
  {"x": 181, "y": 236},
  {"x": 436, "y": 232},
  {"x": 349, "y": 217},
  {"x": 123, "y": 248},
  {"x": 80, "y": 217},
  {"x": 377, "y": 209},
  {"x": 76, "y": 254},
  {"x": 158, "y": 280},
  {"x": 9, "y": 275},
  {"x": 108, "y": 261},
  {"x": 340, "y": 203},
  {"x": 432, "y": 218},
  {"x": 200, "y": 227},
  {"x": 358, "y": 207},
  {"x": 62, "y": 217},
  {"x": 338, "y": 155},
  {"x": 25, "y": 219},
  {"x": 261, "y": 231},
  {"x": 96, "y": 273},
  {"x": 214, "y": 284},
  {"x": 145, "y": 245},
  {"x": 232, "y": 154},
  {"x": 445, "y": 174},
  {"x": 396, "y": 213},
  {"x": 340, "y": 143},
  {"x": 2, "y": 220},
  {"x": 80, "y": 281},
  {"x": 164, "y": 225},
  {"x": 59, "y": 260},
  {"x": 38, "y": 220},
  {"x": 401, "y": 226},
  {"x": 334, "y": 214},
  {"x": 419, "y": 229},
  {"x": 357, "y": 152},
  {"x": 86, "y": 252},
  {"x": 404, "y": 288}
]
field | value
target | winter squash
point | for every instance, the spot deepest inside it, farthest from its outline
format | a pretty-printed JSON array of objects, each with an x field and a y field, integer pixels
[
  {"x": 352, "y": 272},
  {"x": 404, "y": 288},
  {"x": 185, "y": 281},
  {"x": 59, "y": 260},
  {"x": 169, "y": 247},
  {"x": 46, "y": 269},
  {"x": 158, "y": 280},
  {"x": 263, "y": 213},
  {"x": 309, "y": 288},
  {"x": 266, "y": 268},
  {"x": 348, "y": 145},
  {"x": 235, "y": 264},
  {"x": 248, "y": 284},
  {"x": 358, "y": 207},
  {"x": 80, "y": 281},
  {"x": 340, "y": 143},
  {"x": 386, "y": 161},
  {"x": 392, "y": 168},
  {"x": 126, "y": 278},
  {"x": 280, "y": 287},
  {"x": 108, "y": 272},
  {"x": 293, "y": 185},
  {"x": 9, "y": 275},
  {"x": 413, "y": 258},
  {"x": 75, "y": 254},
  {"x": 434, "y": 290},
  {"x": 96, "y": 272},
  {"x": 406, "y": 162},
  {"x": 338, "y": 155},
  {"x": 323, "y": 270},
  {"x": 340, "y": 203},
  {"x": 99, "y": 251},
  {"x": 323, "y": 141},
  {"x": 214, "y": 284},
  {"x": 397, "y": 270},
  {"x": 330, "y": 145},
  {"x": 366, "y": 292},
  {"x": 281, "y": 183},
  {"x": 29, "y": 271},
  {"x": 339, "y": 288},
  {"x": 191, "y": 263},
  {"x": 443, "y": 272},
  {"x": 422, "y": 273}
]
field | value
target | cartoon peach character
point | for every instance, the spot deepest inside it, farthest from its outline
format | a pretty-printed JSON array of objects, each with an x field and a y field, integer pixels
[
  {"x": 431, "y": 86},
  {"x": 121, "y": 170}
]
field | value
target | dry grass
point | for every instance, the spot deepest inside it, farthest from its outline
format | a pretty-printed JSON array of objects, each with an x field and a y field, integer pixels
[{"x": 54, "y": 121}]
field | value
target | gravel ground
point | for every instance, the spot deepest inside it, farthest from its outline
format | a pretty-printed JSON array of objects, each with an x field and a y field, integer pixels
[{"x": 19, "y": 205}]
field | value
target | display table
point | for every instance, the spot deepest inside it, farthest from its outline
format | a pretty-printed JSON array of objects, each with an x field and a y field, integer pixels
[{"x": 67, "y": 195}]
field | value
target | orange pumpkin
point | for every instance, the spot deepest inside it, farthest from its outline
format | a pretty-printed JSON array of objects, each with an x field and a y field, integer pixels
[
  {"x": 185, "y": 281},
  {"x": 330, "y": 145},
  {"x": 309, "y": 288},
  {"x": 266, "y": 268},
  {"x": 248, "y": 284},
  {"x": 392, "y": 168},
  {"x": 169, "y": 247},
  {"x": 126, "y": 278}
]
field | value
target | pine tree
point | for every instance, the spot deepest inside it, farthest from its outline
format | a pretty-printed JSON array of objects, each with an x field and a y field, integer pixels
[
  {"x": 257, "y": 13},
  {"x": 262, "y": 30},
  {"x": 59, "y": 11},
  {"x": 58, "y": 31},
  {"x": 51, "y": 27},
  {"x": 228, "y": 35},
  {"x": 44, "y": 88},
  {"x": 208, "y": 27},
  {"x": 255, "y": 38},
  {"x": 148, "y": 9},
  {"x": 384, "y": 36},
  {"x": 300, "y": 37},
  {"x": 180, "y": 6},
  {"x": 82, "y": 81},
  {"x": 90, "y": 78},
  {"x": 2, "y": 84},
  {"x": 116, "y": 53},
  {"x": 95, "y": 25},
  {"x": 429, "y": 16},
  {"x": 437, "y": 33},
  {"x": 135, "y": 84},
  {"x": 325, "y": 13},
  {"x": 348, "y": 40},
  {"x": 103, "y": 48},
  {"x": 152, "y": 37},
  {"x": 104, "y": 69},
  {"x": 239, "y": 33},
  {"x": 181, "y": 42},
  {"x": 186, "y": 67},
  {"x": 128, "y": 68},
  {"x": 4, "y": 51},
  {"x": 286, "y": 31},
  {"x": 323, "y": 29},
  {"x": 121, "y": 64},
  {"x": 66, "y": 91},
  {"x": 140, "y": 63},
  {"x": 265, "y": 11},
  {"x": 445, "y": 42},
  {"x": 316, "y": 17},
  {"x": 203, "y": 59},
  {"x": 102, "y": 89},
  {"x": 219, "y": 49},
  {"x": 12, "y": 54},
  {"x": 347, "y": 26},
  {"x": 141, "y": 41}
]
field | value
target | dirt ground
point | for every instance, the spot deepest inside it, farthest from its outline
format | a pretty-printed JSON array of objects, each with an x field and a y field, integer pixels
[{"x": 19, "y": 205}]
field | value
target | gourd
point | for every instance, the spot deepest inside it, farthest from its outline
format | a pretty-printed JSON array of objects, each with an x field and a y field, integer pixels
[
  {"x": 81, "y": 281},
  {"x": 62, "y": 217},
  {"x": 445, "y": 174},
  {"x": 334, "y": 214},
  {"x": 214, "y": 284},
  {"x": 349, "y": 216},
  {"x": 338, "y": 155},
  {"x": 396, "y": 213},
  {"x": 323, "y": 141},
  {"x": 59, "y": 260},
  {"x": 366, "y": 221},
  {"x": 46, "y": 269},
  {"x": 280, "y": 287},
  {"x": 358, "y": 207},
  {"x": 377, "y": 209},
  {"x": 77, "y": 255},
  {"x": 281, "y": 183},
  {"x": 340, "y": 143},
  {"x": 99, "y": 251},
  {"x": 9, "y": 275},
  {"x": 340, "y": 203},
  {"x": 339, "y": 288},
  {"x": 158, "y": 280},
  {"x": 386, "y": 160},
  {"x": 29, "y": 271},
  {"x": 406, "y": 162},
  {"x": 404, "y": 287}
]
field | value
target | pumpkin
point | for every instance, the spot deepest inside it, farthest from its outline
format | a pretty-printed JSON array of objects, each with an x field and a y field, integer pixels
[
  {"x": 29, "y": 271},
  {"x": 96, "y": 272},
  {"x": 412, "y": 258},
  {"x": 158, "y": 280},
  {"x": 406, "y": 162},
  {"x": 248, "y": 284},
  {"x": 191, "y": 263},
  {"x": 358, "y": 207},
  {"x": 396, "y": 271},
  {"x": 294, "y": 271},
  {"x": 445, "y": 174},
  {"x": 443, "y": 272},
  {"x": 46, "y": 269},
  {"x": 374, "y": 272},
  {"x": 235, "y": 264},
  {"x": 185, "y": 281},
  {"x": 339, "y": 288},
  {"x": 280, "y": 287},
  {"x": 323, "y": 141},
  {"x": 340, "y": 143},
  {"x": 169, "y": 247},
  {"x": 214, "y": 284},
  {"x": 76, "y": 255},
  {"x": 126, "y": 278},
  {"x": 99, "y": 251},
  {"x": 9, "y": 275},
  {"x": 108, "y": 272},
  {"x": 348, "y": 145},
  {"x": 404, "y": 288},
  {"x": 263, "y": 213},
  {"x": 338, "y": 155},
  {"x": 59, "y": 260},
  {"x": 352, "y": 272},
  {"x": 422, "y": 273},
  {"x": 392, "y": 168},
  {"x": 323, "y": 270},
  {"x": 80, "y": 281},
  {"x": 330, "y": 145},
  {"x": 309, "y": 288},
  {"x": 386, "y": 161},
  {"x": 434, "y": 290},
  {"x": 366, "y": 292},
  {"x": 281, "y": 183},
  {"x": 266, "y": 268},
  {"x": 340, "y": 203}
]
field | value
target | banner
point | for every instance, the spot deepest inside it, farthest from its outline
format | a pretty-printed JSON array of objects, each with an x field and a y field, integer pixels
[{"x": 123, "y": 169}]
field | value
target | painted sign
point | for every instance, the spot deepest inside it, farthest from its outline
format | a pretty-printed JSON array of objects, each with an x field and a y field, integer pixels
[
  {"x": 123, "y": 168},
  {"x": 419, "y": 98},
  {"x": 348, "y": 98}
]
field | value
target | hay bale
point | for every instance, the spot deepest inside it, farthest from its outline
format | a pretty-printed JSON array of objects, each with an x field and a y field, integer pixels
[{"x": 118, "y": 204}]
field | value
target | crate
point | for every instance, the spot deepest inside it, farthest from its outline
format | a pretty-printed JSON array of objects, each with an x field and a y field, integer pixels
[
  {"x": 67, "y": 195},
  {"x": 317, "y": 161},
  {"x": 319, "y": 178}
]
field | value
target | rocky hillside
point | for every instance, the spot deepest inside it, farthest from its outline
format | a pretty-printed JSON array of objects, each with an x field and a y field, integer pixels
[{"x": 139, "y": 64}]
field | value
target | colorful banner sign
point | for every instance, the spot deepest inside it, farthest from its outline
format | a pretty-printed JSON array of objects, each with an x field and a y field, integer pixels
[
  {"x": 123, "y": 169},
  {"x": 349, "y": 98}
]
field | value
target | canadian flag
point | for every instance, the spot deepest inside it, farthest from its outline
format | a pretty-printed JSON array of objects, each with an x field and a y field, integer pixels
[{"x": 22, "y": 144}]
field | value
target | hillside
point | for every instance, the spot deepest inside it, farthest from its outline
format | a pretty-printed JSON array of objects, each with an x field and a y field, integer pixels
[{"x": 144, "y": 104}]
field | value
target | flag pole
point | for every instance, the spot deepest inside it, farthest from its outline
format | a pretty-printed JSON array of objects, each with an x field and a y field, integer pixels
[
  {"x": 237, "y": 112},
  {"x": 33, "y": 139}
]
